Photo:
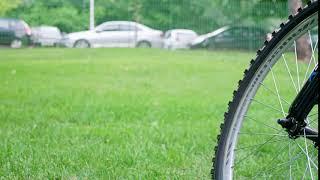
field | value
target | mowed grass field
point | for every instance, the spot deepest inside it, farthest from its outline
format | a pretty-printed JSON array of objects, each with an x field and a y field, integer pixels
[{"x": 113, "y": 113}]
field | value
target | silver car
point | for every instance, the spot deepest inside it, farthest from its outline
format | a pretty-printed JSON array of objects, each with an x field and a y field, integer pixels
[
  {"x": 116, "y": 34},
  {"x": 179, "y": 39},
  {"x": 46, "y": 36}
]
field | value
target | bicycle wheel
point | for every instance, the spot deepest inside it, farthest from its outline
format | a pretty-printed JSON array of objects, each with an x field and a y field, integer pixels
[{"x": 252, "y": 145}]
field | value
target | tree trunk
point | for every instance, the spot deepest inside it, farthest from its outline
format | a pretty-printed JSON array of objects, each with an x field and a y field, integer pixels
[{"x": 304, "y": 51}]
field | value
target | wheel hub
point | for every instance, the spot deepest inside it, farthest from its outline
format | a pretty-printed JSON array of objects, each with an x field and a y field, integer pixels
[
  {"x": 296, "y": 129},
  {"x": 293, "y": 127}
]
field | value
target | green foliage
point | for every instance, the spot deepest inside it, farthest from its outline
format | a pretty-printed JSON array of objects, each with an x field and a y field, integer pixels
[
  {"x": 62, "y": 14},
  {"x": 201, "y": 15},
  {"x": 7, "y": 5}
]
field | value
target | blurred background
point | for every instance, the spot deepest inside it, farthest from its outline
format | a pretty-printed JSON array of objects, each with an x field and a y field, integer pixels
[{"x": 178, "y": 24}]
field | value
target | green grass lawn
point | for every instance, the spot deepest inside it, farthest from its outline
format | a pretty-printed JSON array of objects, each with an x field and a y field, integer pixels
[{"x": 113, "y": 113}]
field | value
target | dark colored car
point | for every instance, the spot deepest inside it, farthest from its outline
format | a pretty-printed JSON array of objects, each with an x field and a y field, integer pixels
[
  {"x": 14, "y": 33},
  {"x": 249, "y": 38}
]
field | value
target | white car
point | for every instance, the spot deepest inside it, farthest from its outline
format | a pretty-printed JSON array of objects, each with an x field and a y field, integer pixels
[
  {"x": 179, "y": 38},
  {"x": 116, "y": 34},
  {"x": 46, "y": 36}
]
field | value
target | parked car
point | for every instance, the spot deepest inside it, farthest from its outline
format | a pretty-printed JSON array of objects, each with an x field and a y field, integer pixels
[
  {"x": 14, "y": 32},
  {"x": 116, "y": 34},
  {"x": 179, "y": 38},
  {"x": 46, "y": 36},
  {"x": 238, "y": 37}
]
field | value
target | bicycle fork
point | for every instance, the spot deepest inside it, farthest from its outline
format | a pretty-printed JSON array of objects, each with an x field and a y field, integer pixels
[{"x": 296, "y": 122}]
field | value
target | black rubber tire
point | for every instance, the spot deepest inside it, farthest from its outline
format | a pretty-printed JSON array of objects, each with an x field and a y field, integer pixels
[
  {"x": 82, "y": 40},
  {"x": 277, "y": 36},
  {"x": 143, "y": 44}
]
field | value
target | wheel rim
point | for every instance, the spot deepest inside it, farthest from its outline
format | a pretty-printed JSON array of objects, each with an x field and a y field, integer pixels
[
  {"x": 82, "y": 44},
  {"x": 270, "y": 82}
]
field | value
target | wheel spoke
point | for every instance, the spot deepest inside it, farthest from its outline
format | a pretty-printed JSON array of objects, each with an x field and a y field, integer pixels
[
  {"x": 247, "y": 147},
  {"x": 313, "y": 114},
  {"x": 290, "y": 166},
  {"x": 311, "y": 58},
  {"x": 278, "y": 94},
  {"x": 254, "y": 151},
  {"x": 308, "y": 135},
  {"x": 278, "y": 130},
  {"x": 311, "y": 121},
  {"x": 287, "y": 67},
  {"x": 307, "y": 154},
  {"x": 305, "y": 171},
  {"x": 293, "y": 159},
  {"x": 263, "y": 134},
  {"x": 307, "y": 71},
  {"x": 268, "y": 106},
  {"x": 297, "y": 65},
  {"x": 274, "y": 93},
  {"x": 312, "y": 48}
]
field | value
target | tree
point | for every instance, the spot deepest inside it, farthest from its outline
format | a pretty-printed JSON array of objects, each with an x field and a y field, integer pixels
[
  {"x": 203, "y": 16},
  {"x": 7, "y": 5},
  {"x": 61, "y": 13},
  {"x": 304, "y": 51}
]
